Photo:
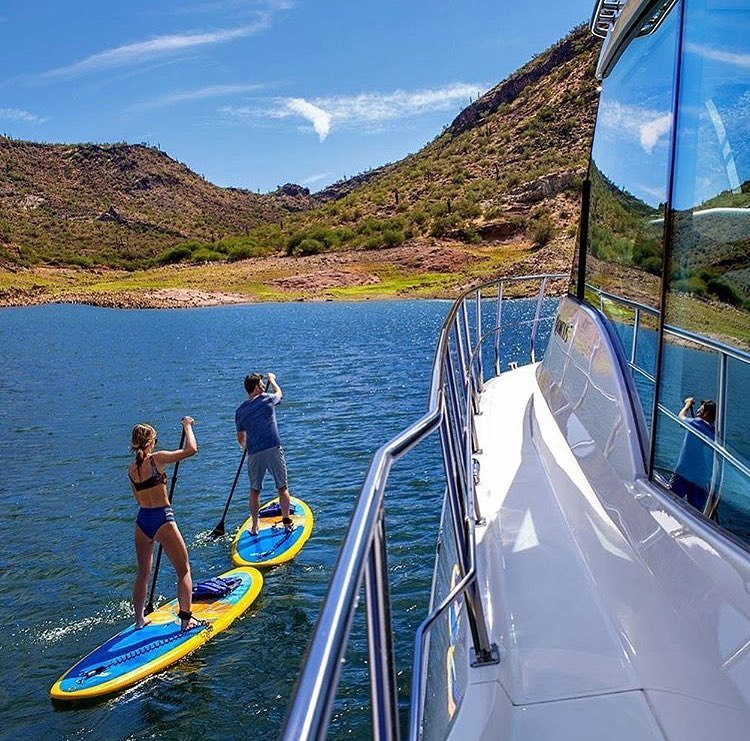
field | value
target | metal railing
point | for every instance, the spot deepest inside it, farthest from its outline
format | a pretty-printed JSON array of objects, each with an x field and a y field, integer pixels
[
  {"x": 724, "y": 352},
  {"x": 455, "y": 388}
]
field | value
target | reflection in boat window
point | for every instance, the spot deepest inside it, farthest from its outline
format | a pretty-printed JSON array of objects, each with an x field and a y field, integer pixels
[
  {"x": 700, "y": 452},
  {"x": 709, "y": 278},
  {"x": 629, "y": 174}
]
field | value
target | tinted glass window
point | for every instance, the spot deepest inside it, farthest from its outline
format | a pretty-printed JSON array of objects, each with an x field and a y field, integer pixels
[
  {"x": 629, "y": 174},
  {"x": 709, "y": 276}
]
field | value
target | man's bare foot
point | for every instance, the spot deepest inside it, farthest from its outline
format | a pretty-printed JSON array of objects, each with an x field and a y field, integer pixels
[
  {"x": 141, "y": 623},
  {"x": 189, "y": 624}
]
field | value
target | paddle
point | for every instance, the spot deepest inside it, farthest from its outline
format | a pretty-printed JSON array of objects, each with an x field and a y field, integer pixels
[
  {"x": 219, "y": 530},
  {"x": 150, "y": 607}
]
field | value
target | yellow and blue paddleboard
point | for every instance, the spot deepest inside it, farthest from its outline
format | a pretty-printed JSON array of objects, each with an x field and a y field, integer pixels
[
  {"x": 273, "y": 544},
  {"x": 135, "y": 654}
]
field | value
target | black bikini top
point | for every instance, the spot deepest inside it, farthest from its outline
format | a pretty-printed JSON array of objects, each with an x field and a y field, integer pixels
[{"x": 155, "y": 479}]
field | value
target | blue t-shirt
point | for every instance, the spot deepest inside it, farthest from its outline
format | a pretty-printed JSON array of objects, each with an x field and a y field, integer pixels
[
  {"x": 696, "y": 460},
  {"x": 257, "y": 419}
]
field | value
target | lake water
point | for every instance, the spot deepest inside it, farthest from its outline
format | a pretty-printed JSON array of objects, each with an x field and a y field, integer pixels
[{"x": 74, "y": 380}]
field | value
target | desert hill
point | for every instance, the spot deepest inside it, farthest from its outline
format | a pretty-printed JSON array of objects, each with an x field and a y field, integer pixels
[{"x": 117, "y": 204}]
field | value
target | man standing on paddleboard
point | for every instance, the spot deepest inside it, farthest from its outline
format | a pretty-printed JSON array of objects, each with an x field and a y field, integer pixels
[{"x": 258, "y": 432}]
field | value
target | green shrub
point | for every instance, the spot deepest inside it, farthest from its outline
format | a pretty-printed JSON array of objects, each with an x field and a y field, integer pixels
[
  {"x": 725, "y": 292},
  {"x": 174, "y": 255},
  {"x": 309, "y": 246},
  {"x": 321, "y": 235},
  {"x": 652, "y": 265},
  {"x": 80, "y": 261},
  {"x": 541, "y": 230},
  {"x": 441, "y": 225},
  {"x": 467, "y": 209},
  {"x": 206, "y": 254},
  {"x": 242, "y": 252},
  {"x": 690, "y": 285},
  {"x": 393, "y": 238},
  {"x": 468, "y": 233}
]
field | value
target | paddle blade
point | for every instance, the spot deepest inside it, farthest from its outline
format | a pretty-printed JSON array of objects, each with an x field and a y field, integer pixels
[{"x": 218, "y": 531}]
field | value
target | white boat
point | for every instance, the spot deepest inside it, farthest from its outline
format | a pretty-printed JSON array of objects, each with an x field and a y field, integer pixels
[{"x": 592, "y": 577}]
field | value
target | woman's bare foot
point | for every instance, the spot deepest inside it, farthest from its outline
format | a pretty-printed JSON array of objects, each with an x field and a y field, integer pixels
[{"x": 142, "y": 623}]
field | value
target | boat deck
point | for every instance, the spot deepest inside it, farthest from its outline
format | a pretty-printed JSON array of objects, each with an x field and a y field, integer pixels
[{"x": 570, "y": 592}]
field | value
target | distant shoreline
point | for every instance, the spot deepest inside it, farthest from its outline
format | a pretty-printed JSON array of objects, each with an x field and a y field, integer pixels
[
  {"x": 178, "y": 298},
  {"x": 163, "y": 298},
  {"x": 425, "y": 270}
]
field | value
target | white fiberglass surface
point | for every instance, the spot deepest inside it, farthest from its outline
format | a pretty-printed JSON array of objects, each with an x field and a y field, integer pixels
[{"x": 557, "y": 640}]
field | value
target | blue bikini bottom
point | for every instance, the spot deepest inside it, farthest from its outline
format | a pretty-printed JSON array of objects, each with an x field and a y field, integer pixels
[{"x": 150, "y": 519}]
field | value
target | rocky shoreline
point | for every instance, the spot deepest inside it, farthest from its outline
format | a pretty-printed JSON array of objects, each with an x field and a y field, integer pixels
[{"x": 163, "y": 298}]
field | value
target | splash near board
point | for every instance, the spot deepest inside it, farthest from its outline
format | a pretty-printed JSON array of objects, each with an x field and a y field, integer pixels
[
  {"x": 135, "y": 654},
  {"x": 273, "y": 544}
]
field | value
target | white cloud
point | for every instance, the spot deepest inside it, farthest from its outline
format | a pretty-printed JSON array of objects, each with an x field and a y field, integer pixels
[
  {"x": 142, "y": 51},
  {"x": 398, "y": 104},
  {"x": 202, "y": 93},
  {"x": 649, "y": 126},
  {"x": 651, "y": 131},
  {"x": 320, "y": 119},
  {"x": 16, "y": 114},
  {"x": 362, "y": 110},
  {"x": 315, "y": 178},
  {"x": 735, "y": 59}
]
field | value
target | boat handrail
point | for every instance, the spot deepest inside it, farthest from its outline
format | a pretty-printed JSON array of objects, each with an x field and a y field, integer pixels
[
  {"x": 363, "y": 552},
  {"x": 685, "y": 334}
]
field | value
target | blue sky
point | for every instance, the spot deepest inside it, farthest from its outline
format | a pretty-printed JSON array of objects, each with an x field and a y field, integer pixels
[{"x": 256, "y": 93}]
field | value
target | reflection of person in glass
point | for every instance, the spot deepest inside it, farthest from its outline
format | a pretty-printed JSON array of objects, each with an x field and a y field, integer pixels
[{"x": 692, "y": 474}]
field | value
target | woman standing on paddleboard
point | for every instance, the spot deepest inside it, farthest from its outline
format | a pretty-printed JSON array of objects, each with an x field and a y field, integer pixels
[{"x": 155, "y": 520}]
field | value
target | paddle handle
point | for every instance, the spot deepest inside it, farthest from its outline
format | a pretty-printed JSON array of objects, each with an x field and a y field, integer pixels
[{"x": 150, "y": 605}]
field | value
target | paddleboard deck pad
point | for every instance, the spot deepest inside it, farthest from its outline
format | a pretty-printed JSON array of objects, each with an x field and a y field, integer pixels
[
  {"x": 135, "y": 654},
  {"x": 273, "y": 544}
]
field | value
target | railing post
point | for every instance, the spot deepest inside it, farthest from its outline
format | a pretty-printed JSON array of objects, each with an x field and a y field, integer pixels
[
  {"x": 498, "y": 325},
  {"x": 455, "y": 497},
  {"x": 540, "y": 298},
  {"x": 483, "y": 649},
  {"x": 717, "y": 473},
  {"x": 636, "y": 328},
  {"x": 460, "y": 421},
  {"x": 468, "y": 369},
  {"x": 480, "y": 365},
  {"x": 471, "y": 448},
  {"x": 460, "y": 343},
  {"x": 380, "y": 639},
  {"x": 460, "y": 378}
]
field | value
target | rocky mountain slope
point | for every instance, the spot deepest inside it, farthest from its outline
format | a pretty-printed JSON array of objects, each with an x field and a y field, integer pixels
[
  {"x": 117, "y": 204},
  {"x": 505, "y": 173}
]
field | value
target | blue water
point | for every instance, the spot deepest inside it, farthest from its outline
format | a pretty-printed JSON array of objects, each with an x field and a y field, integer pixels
[{"x": 73, "y": 381}]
